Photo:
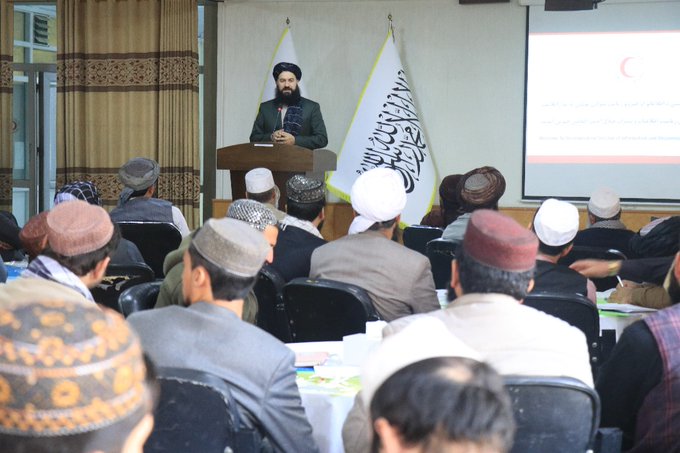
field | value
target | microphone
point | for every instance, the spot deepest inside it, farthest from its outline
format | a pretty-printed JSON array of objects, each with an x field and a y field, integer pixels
[{"x": 276, "y": 121}]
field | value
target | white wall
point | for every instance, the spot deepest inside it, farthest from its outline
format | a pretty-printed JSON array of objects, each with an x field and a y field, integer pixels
[{"x": 465, "y": 65}]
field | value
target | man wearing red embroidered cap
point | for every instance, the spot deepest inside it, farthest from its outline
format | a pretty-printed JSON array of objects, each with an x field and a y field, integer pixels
[
  {"x": 491, "y": 275},
  {"x": 81, "y": 239}
]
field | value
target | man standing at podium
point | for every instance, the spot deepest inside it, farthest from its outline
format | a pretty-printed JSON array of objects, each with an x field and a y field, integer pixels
[{"x": 289, "y": 119}]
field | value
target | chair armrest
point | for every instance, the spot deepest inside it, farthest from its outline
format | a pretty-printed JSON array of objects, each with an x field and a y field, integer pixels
[{"x": 608, "y": 440}]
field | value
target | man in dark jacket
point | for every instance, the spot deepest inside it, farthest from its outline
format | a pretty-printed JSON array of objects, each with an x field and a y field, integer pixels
[
  {"x": 289, "y": 118},
  {"x": 299, "y": 232}
]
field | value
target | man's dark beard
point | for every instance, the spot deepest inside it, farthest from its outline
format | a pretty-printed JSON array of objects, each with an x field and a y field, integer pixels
[
  {"x": 674, "y": 290},
  {"x": 291, "y": 98}
]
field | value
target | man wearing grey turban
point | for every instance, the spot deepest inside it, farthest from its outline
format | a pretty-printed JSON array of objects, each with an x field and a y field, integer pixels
[
  {"x": 289, "y": 118},
  {"x": 137, "y": 202}
]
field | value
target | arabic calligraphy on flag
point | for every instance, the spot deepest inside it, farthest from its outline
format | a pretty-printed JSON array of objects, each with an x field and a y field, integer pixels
[{"x": 386, "y": 132}]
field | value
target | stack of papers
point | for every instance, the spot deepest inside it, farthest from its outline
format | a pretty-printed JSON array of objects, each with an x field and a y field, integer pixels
[{"x": 624, "y": 308}]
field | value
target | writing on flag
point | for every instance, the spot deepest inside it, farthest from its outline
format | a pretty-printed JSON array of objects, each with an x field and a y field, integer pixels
[{"x": 386, "y": 132}]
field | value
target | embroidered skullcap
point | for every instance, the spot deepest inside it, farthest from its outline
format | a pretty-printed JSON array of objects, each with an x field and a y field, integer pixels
[
  {"x": 498, "y": 241},
  {"x": 139, "y": 173},
  {"x": 377, "y": 195},
  {"x": 75, "y": 228},
  {"x": 33, "y": 235},
  {"x": 253, "y": 212},
  {"x": 604, "y": 203},
  {"x": 556, "y": 222},
  {"x": 233, "y": 246},
  {"x": 305, "y": 190},
  {"x": 290, "y": 67},
  {"x": 422, "y": 339},
  {"x": 259, "y": 180},
  {"x": 448, "y": 189},
  {"x": 66, "y": 368},
  {"x": 78, "y": 190},
  {"x": 481, "y": 188}
]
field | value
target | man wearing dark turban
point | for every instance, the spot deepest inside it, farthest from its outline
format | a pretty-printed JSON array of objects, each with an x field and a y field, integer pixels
[{"x": 289, "y": 118}]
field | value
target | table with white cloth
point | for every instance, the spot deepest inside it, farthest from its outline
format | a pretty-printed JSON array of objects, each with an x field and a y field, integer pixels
[
  {"x": 618, "y": 316},
  {"x": 327, "y": 393}
]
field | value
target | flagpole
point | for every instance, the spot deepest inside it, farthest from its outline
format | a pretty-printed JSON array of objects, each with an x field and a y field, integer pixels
[{"x": 390, "y": 28}]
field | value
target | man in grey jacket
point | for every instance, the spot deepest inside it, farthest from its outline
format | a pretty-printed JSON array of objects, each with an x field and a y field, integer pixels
[{"x": 220, "y": 268}]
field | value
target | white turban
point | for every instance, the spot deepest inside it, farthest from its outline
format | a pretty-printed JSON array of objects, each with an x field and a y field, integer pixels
[{"x": 377, "y": 195}]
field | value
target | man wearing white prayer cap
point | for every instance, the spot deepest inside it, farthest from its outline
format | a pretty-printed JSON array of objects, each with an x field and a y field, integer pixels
[
  {"x": 605, "y": 229},
  {"x": 555, "y": 225},
  {"x": 398, "y": 280},
  {"x": 260, "y": 187}
]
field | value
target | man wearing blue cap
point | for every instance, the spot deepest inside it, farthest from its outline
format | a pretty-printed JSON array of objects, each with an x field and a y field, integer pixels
[{"x": 289, "y": 118}]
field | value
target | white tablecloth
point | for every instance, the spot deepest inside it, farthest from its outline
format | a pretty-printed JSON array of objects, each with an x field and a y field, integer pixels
[{"x": 327, "y": 394}]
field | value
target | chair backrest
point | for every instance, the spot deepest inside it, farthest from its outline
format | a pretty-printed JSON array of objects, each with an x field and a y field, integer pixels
[
  {"x": 440, "y": 253},
  {"x": 120, "y": 277},
  {"x": 154, "y": 241},
  {"x": 326, "y": 310},
  {"x": 197, "y": 412},
  {"x": 271, "y": 314},
  {"x": 139, "y": 297},
  {"x": 583, "y": 252},
  {"x": 578, "y": 311},
  {"x": 553, "y": 414},
  {"x": 416, "y": 237}
]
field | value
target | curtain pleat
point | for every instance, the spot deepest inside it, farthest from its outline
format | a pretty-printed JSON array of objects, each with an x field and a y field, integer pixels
[
  {"x": 127, "y": 86},
  {"x": 6, "y": 87}
]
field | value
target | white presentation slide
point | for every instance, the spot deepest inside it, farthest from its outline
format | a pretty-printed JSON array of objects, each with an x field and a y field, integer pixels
[{"x": 603, "y": 107}]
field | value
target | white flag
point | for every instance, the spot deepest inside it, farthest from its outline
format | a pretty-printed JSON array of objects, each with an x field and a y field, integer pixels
[
  {"x": 284, "y": 52},
  {"x": 386, "y": 132}
]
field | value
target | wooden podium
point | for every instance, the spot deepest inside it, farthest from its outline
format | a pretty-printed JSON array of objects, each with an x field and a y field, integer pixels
[{"x": 283, "y": 160}]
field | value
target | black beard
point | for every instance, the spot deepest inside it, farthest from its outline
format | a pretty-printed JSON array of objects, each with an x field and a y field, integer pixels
[{"x": 291, "y": 98}]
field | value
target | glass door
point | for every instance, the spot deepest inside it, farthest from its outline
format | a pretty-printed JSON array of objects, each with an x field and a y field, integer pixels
[{"x": 34, "y": 144}]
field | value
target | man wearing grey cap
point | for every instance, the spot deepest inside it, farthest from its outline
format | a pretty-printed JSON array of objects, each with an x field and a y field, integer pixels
[
  {"x": 220, "y": 268},
  {"x": 137, "y": 203},
  {"x": 254, "y": 214},
  {"x": 398, "y": 280},
  {"x": 299, "y": 235},
  {"x": 260, "y": 187}
]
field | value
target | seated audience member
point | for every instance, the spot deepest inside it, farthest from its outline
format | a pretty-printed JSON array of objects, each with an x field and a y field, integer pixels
[
  {"x": 127, "y": 252},
  {"x": 606, "y": 229},
  {"x": 480, "y": 188},
  {"x": 555, "y": 225},
  {"x": 449, "y": 208},
  {"x": 652, "y": 272},
  {"x": 254, "y": 214},
  {"x": 81, "y": 239},
  {"x": 74, "y": 382},
  {"x": 656, "y": 239},
  {"x": 639, "y": 383},
  {"x": 137, "y": 203},
  {"x": 398, "y": 280},
  {"x": 422, "y": 339},
  {"x": 220, "y": 268},
  {"x": 260, "y": 187},
  {"x": 299, "y": 232},
  {"x": 33, "y": 235},
  {"x": 490, "y": 276},
  {"x": 443, "y": 404},
  {"x": 10, "y": 244}
]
